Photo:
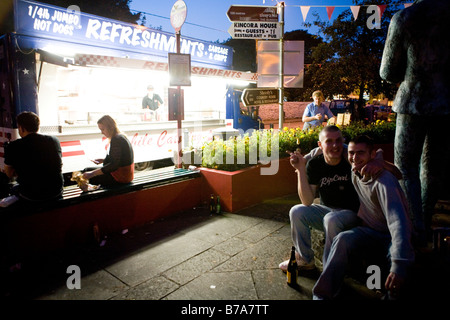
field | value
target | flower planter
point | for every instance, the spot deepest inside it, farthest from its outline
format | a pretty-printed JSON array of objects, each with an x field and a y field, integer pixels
[{"x": 247, "y": 187}]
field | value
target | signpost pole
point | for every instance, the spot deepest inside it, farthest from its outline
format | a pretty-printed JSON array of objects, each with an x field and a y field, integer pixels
[
  {"x": 177, "y": 18},
  {"x": 179, "y": 131},
  {"x": 281, "y": 98}
]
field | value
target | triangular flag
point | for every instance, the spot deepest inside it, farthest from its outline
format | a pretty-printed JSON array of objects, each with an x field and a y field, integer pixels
[
  {"x": 304, "y": 11},
  {"x": 355, "y": 11},
  {"x": 407, "y": 5},
  {"x": 382, "y": 7},
  {"x": 330, "y": 12}
]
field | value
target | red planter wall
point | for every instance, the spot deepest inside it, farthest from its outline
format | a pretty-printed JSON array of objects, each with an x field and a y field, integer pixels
[{"x": 247, "y": 187}]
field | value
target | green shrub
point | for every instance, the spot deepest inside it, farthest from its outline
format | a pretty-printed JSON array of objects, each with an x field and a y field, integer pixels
[{"x": 263, "y": 145}]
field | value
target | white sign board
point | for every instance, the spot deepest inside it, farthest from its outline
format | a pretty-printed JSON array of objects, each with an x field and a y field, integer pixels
[
  {"x": 180, "y": 69},
  {"x": 255, "y": 30}
]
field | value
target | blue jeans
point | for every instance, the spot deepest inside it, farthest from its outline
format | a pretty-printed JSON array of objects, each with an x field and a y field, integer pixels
[
  {"x": 320, "y": 217},
  {"x": 346, "y": 245}
]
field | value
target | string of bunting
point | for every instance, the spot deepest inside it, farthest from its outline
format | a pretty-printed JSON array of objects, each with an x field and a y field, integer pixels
[{"x": 330, "y": 9}]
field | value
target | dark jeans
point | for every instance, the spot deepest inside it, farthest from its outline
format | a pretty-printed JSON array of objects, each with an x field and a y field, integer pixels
[{"x": 105, "y": 180}]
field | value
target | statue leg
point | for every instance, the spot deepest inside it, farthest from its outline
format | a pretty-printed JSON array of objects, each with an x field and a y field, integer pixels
[
  {"x": 409, "y": 140},
  {"x": 435, "y": 166}
]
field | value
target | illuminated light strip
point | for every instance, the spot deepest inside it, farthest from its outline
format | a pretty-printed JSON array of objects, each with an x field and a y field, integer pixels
[
  {"x": 71, "y": 148},
  {"x": 70, "y": 143},
  {"x": 73, "y": 153}
]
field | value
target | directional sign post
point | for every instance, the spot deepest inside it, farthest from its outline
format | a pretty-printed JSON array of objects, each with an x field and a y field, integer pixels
[
  {"x": 255, "y": 30},
  {"x": 252, "y": 13},
  {"x": 261, "y": 23},
  {"x": 260, "y": 96},
  {"x": 254, "y": 22}
]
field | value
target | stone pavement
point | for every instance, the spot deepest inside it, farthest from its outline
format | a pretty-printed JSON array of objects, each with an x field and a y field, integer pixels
[{"x": 190, "y": 256}]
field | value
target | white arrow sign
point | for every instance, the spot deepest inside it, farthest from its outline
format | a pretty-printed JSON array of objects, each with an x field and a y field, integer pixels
[{"x": 255, "y": 30}]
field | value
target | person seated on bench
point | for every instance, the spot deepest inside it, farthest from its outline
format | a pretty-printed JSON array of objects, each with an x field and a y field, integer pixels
[
  {"x": 384, "y": 224},
  {"x": 118, "y": 166},
  {"x": 36, "y": 161}
]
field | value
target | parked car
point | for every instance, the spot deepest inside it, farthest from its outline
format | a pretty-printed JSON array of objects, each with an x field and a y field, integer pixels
[
  {"x": 382, "y": 112},
  {"x": 342, "y": 106}
]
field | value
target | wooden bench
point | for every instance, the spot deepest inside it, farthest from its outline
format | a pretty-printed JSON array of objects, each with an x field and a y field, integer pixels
[
  {"x": 142, "y": 180},
  {"x": 72, "y": 194}
]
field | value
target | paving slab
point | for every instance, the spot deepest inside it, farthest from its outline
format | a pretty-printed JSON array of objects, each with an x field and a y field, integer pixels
[
  {"x": 261, "y": 230},
  {"x": 153, "y": 289},
  {"x": 196, "y": 266},
  {"x": 265, "y": 254},
  {"x": 232, "y": 246},
  {"x": 222, "y": 227},
  {"x": 156, "y": 258},
  {"x": 237, "y": 285}
]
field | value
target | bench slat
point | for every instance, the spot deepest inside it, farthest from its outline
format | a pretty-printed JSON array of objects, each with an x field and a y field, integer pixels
[{"x": 141, "y": 181}]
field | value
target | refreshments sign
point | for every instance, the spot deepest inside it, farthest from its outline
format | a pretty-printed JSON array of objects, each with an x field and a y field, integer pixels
[{"x": 51, "y": 22}]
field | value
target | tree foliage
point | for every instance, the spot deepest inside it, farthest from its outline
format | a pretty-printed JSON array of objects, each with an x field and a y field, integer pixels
[
  {"x": 349, "y": 59},
  {"x": 6, "y": 16},
  {"x": 244, "y": 54}
]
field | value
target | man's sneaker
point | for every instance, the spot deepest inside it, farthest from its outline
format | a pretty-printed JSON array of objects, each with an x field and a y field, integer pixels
[{"x": 301, "y": 265}]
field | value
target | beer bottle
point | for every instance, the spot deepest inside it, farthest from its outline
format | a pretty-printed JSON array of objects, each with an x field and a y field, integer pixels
[
  {"x": 218, "y": 207},
  {"x": 212, "y": 205},
  {"x": 292, "y": 270}
]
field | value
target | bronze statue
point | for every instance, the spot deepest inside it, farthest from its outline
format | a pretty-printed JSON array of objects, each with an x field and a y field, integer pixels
[{"x": 417, "y": 55}]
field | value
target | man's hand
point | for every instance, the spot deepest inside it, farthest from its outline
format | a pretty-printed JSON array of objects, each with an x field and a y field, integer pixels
[
  {"x": 394, "y": 283},
  {"x": 97, "y": 161},
  {"x": 371, "y": 169},
  {"x": 296, "y": 159}
]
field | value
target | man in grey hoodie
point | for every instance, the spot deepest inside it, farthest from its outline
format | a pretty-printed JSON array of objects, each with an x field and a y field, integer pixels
[{"x": 384, "y": 224}]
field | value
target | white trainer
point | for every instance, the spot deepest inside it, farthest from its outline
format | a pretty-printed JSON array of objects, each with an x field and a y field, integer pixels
[{"x": 301, "y": 265}]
